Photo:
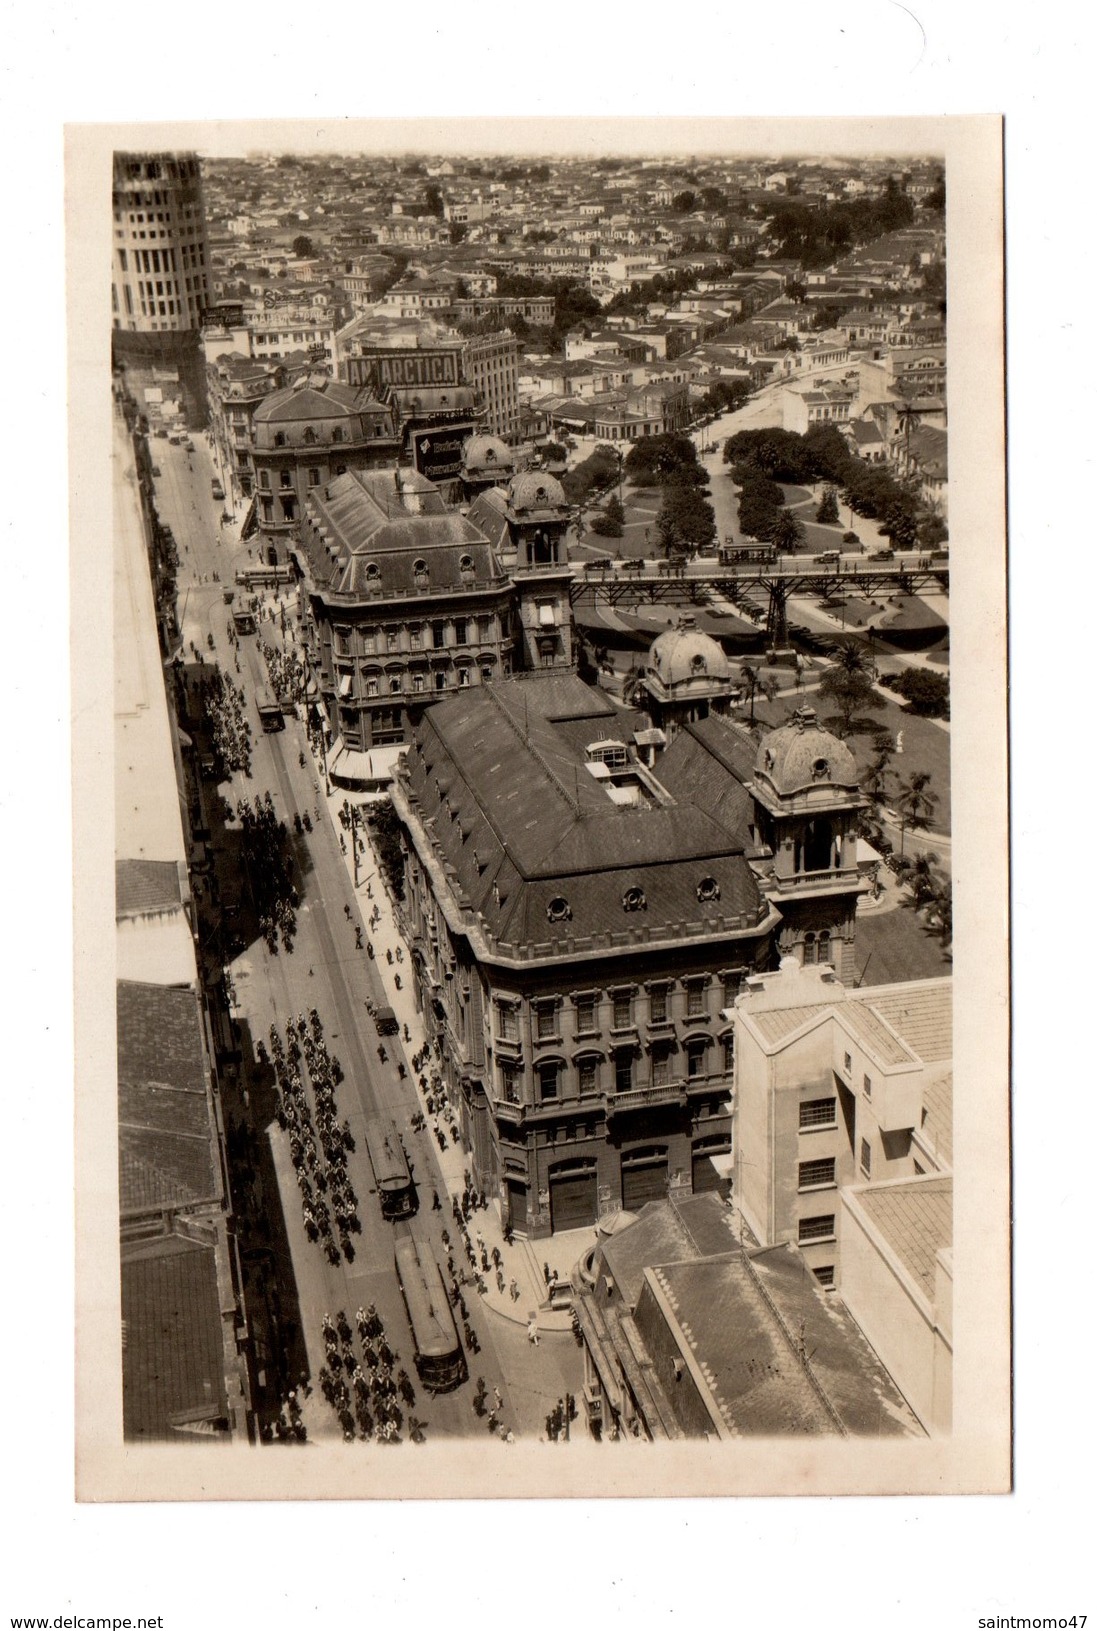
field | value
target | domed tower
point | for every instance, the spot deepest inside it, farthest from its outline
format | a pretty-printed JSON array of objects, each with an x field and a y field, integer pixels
[
  {"x": 807, "y": 798},
  {"x": 486, "y": 461},
  {"x": 686, "y": 677},
  {"x": 526, "y": 522}
]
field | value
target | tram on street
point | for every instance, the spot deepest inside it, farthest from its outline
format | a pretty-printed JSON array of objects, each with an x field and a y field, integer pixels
[
  {"x": 269, "y": 710},
  {"x": 439, "y": 1357},
  {"x": 391, "y": 1172},
  {"x": 752, "y": 554}
]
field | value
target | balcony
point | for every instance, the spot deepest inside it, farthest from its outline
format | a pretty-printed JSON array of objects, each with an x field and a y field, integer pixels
[
  {"x": 804, "y": 882},
  {"x": 643, "y": 1098},
  {"x": 549, "y": 1110}
]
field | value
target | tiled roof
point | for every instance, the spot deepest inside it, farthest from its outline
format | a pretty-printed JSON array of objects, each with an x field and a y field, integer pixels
[
  {"x": 937, "y": 1114},
  {"x": 871, "y": 1031},
  {"x": 915, "y": 1218},
  {"x": 365, "y": 524},
  {"x": 333, "y": 400},
  {"x": 549, "y": 829},
  {"x": 920, "y": 1011},
  {"x": 775, "y": 1024},
  {"x": 172, "y": 1355},
  {"x": 724, "y": 1308},
  {"x": 164, "y": 1131},
  {"x": 145, "y": 886}
]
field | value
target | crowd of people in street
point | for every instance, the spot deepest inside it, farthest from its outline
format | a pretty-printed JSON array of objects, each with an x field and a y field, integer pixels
[
  {"x": 268, "y": 859},
  {"x": 306, "y": 1076},
  {"x": 365, "y": 1385},
  {"x": 225, "y": 708},
  {"x": 286, "y": 672}
]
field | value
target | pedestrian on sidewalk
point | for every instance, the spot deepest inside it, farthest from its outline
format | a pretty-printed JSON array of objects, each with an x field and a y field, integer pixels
[
  {"x": 531, "y": 1331},
  {"x": 514, "y": 1291}
]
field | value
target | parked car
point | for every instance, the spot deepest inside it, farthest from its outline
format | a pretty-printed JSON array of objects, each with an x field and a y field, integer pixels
[
  {"x": 829, "y": 555},
  {"x": 217, "y": 490},
  {"x": 882, "y": 555},
  {"x": 156, "y": 469}
]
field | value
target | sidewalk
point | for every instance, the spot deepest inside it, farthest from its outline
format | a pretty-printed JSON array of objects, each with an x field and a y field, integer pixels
[{"x": 522, "y": 1264}]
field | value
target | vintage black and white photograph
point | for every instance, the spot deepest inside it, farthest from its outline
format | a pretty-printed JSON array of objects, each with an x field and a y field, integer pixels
[{"x": 544, "y": 611}]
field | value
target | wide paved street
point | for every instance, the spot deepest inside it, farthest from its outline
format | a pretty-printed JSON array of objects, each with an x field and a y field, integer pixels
[{"x": 327, "y": 971}]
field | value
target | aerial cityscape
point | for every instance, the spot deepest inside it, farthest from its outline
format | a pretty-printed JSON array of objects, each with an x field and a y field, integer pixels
[{"x": 533, "y": 856}]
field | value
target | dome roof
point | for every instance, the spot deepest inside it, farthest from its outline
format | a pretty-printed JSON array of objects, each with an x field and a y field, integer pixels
[
  {"x": 533, "y": 490},
  {"x": 801, "y": 755},
  {"x": 687, "y": 654},
  {"x": 486, "y": 450}
]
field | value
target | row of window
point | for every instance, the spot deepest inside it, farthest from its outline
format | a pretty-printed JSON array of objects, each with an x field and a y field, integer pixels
[
  {"x": 396, "y": 685},
  {"x": 587, "y": 1012},
  {"x": 591, "y": 1073},
  {"x": 436, "y": 636}
]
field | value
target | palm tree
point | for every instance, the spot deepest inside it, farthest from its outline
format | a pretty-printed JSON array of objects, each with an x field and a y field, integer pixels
[
  {"x": 633, "y": 691},
  {"x": 756, "y": 681},
  {"x": 921, "y": 879},
  {"x": 847, "y": 685},
  {"x": 876, "y": 777},
  {"x": 940, "y": 916},
  {"x": 916, "y": 803}
]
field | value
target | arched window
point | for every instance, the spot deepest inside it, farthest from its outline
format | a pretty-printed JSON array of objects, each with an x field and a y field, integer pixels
[
  {"x": 824, "y": 946},
  {"x": 818, "y": 845},
  {"x": 310, "y": 435},
  {"x": 809, "y": 948},
  {"x": 279, "y": 438}
]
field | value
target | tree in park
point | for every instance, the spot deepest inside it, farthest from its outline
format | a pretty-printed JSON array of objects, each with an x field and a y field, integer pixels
[
  {"x": 939, "y": 916},
  {"x": 302, "y": 247},
  {"x": 932, "y": 532},
  {"x": 875, "y": 779},
  {"x": 899, "y": 524},
  {"x": 610, "y": 521},
  {"x": 787, "y": 530},
  {"x": 653, "y": 460},
  {"x": 926, "y": 693},
  {"x": 686, "y": 521},
  {"x": 827, "y": 513},
  {"x": 921, "y": 880},
  {"x": 846, "y": 684},
  {"x": 916, "y": 803},
  {"x": 755, "y": 682},
  {"x": 760, "y": 501}
]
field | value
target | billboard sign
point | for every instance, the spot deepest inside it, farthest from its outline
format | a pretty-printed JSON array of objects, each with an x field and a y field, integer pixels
[
  {"x": 403, "y": 370},
  {"x": 437, "y": 450}
]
